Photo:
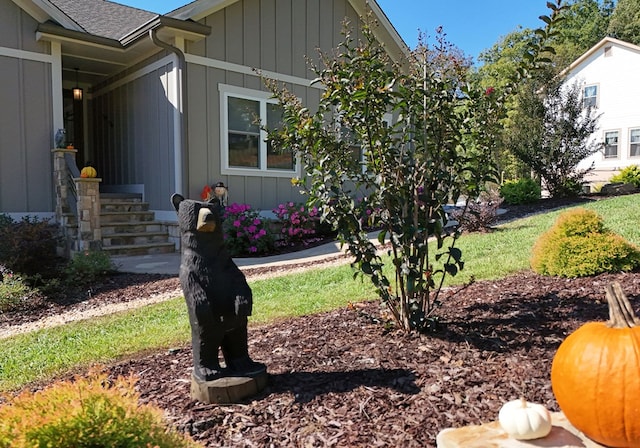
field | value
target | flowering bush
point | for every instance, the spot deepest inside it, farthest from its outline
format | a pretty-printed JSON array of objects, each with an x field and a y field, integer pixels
[
  {"x": 245, "y": 232},
  {"x": 299, "y": 223},
  {"x": 441, "y": 150}
]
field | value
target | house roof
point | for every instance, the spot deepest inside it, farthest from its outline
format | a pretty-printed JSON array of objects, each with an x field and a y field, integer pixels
[
  {"x": 104, "y": 18},
  {"x": 100, "y": 37},
  {"x": 603, "y": 43}
]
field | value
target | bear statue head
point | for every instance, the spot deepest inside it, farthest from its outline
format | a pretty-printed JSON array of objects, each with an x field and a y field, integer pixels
[{"x": 197, "y": 216}]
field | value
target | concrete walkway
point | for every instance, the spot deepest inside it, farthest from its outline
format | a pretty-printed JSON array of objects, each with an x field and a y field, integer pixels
[{"x": 170, "y": 263}]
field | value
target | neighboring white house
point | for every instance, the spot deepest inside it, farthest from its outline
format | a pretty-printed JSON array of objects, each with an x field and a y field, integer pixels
[{"x": 608, "y": 74}]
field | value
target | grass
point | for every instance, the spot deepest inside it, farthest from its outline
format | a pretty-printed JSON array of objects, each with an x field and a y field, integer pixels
[{"x": 45, "y": 353}]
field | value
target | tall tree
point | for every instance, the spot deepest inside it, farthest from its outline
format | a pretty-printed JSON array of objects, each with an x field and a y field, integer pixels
[
  {"x": 551, "y": 133},
  {"x": 625, "y": 21},
  {"x": 585, "y": 24}
]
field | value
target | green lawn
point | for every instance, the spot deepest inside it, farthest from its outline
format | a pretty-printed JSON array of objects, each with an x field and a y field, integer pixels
[{"x": 45, "y": 353}]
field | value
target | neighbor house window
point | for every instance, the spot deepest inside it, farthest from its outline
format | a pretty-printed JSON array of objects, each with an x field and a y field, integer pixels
[
  {"x": 634, "y": 142},
  {"x": 244, "y": 147},
  {"x": 611, "y": 144},
  {"x": 590, "y": 96}
]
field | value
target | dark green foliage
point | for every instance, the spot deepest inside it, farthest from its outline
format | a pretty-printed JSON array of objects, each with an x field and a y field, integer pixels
[
  {"x": 87, "y": 267},
  {"x": 579, "y": 245},
  {"x": 436, "y": 147},
  {"x": 521, "y": 191},
  {"x": 28, "y": 246},
  {"x": 551, "y": 133},
  {"x": 628, "y": 175},
  {"x": 625, "y": 21}
]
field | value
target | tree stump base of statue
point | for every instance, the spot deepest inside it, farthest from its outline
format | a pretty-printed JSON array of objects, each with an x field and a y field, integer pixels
[{"x": 228, "y": 389}]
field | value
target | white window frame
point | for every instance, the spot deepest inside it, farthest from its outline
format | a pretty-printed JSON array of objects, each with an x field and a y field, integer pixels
[
  {"x": 596, "y": 101},
  {"x": 604, "y": 139},
  {"x": 633, "y": 143},
  {"x": 264, "y": 98}
]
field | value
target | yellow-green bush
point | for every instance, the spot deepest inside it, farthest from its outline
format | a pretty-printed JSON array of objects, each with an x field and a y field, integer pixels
[
  {"x": 87, "y": 412},
  {"x": 579, "y": 245}
]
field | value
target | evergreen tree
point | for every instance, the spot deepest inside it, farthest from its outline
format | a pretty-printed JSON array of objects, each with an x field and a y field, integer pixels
[{"x": 625, "y": 21}]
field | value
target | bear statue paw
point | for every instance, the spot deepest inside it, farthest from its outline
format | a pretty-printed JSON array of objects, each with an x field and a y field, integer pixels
[
  {"x": 245, "y": 367},
  {"x": 205, "y": 374}
]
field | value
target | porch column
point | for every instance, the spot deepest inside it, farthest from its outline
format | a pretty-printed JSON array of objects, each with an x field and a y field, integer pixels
[
  {"x": 61, "y": 184},
  {"x": 89, "y": 231}
]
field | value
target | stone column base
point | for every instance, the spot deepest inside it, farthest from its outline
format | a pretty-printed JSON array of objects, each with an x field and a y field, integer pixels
[
  {"x": 563, "y": 434},
  {"x": 232, "y": 389}
]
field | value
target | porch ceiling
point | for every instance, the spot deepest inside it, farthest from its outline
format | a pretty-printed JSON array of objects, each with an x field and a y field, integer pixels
[{"x": 98, "y": 58}]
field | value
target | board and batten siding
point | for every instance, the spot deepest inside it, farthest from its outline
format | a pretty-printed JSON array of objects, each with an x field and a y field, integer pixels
[
  {"x": 276, "y": 37},
  {"x": 133, "y": 132},
  {"x": 26, "y": 116}
]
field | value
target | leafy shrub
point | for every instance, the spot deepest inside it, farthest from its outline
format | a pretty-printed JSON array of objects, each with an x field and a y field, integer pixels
[
  {"x": 628, "y": 175},
  {"x": 579, "y": 245},
  {"x": 86, "y": 267},
  {"x": 13, "y": 290},
  {"x": 245, "y": 232},
  {"x": 87, "y": 412},
  {"x": 521, "y": 191},
  {"x": 299, "y": 223},
  {"x": 29, "y": 246},
  {"x": 480, "y": 215}
]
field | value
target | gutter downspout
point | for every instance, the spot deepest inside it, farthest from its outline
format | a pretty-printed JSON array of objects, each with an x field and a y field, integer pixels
[{"x": 180, "y": 145}]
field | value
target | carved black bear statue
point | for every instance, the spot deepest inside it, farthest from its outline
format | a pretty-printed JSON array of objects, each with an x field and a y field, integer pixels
[{"x": 216, "y": 291}]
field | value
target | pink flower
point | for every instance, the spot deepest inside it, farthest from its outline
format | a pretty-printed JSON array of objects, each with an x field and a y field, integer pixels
[
  {"x": 236, "y": 223},
  {"x": 489, "y": 91},
  {"x": 253, "y": 249}
]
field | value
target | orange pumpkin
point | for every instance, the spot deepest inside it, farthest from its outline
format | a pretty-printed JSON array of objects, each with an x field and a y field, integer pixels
[
  {"x": 595, "y": 375},
  {"x": 88, "y": 171}
]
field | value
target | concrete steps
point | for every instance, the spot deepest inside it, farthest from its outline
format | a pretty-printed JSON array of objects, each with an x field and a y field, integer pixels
[{"x": 129, "y": 228}]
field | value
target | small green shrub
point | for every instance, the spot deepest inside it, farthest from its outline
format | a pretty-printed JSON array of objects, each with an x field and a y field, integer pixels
[
  {"x": 29, "y": 246},
  {"x": 521, "y": 191},
  {"x": 88, "y": 266},
  {"x": 13, "y": 290},
  {"x": 628, "y": 175},
  {"x": 579, "y": 245},
  {"x": 87, "y": 412}
]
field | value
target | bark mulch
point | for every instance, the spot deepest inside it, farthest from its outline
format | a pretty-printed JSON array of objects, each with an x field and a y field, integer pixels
[
  {"x": 345, "y": 379},
  {"x": 342, "y": 379}
]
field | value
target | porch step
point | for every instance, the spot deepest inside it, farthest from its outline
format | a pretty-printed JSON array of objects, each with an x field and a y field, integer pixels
[
  {"x": 129, "y": 228},
  {"x": 140, "y": 249}
]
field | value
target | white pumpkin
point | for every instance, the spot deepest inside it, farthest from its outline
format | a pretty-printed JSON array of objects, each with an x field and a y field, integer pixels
[{"x": 525, "y": 421}]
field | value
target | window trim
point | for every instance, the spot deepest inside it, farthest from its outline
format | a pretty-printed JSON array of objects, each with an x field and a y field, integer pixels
[
  {"x": 597, "y": 96},
  {"x": 637, "y": 128},
  {"x": 264, "y": 98},
  {"x": 604, "y": 141}
]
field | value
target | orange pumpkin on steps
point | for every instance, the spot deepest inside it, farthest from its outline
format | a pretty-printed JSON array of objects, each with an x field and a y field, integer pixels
[{"x": 595, "y": 375}]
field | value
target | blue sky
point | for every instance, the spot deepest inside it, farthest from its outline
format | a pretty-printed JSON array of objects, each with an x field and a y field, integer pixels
[{"x": 472, "y": 25}]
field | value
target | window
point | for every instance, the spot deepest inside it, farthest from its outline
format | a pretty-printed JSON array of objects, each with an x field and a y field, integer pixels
[
  {"x": 244, "y": 147},
  {"x": 611, "y": 144},
  {"x": 634, "y": 142},
  {"x": 590, "y": 96}
]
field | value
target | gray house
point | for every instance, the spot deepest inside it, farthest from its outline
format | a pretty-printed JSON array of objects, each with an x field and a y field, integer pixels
[{"x": 158, "y": 104}]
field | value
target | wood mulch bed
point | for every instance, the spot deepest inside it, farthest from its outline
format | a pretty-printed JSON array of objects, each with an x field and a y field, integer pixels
[{"x": 343, "y": 379}]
